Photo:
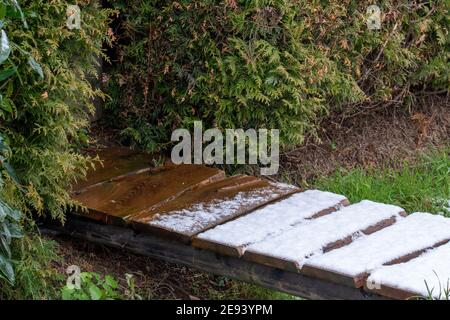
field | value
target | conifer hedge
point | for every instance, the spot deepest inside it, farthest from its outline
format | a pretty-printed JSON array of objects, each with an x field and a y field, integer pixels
[
  {"x": 46, "y": 105},
  {"x": 46, "y": 100},
  {"x": 268, "y": 63}
]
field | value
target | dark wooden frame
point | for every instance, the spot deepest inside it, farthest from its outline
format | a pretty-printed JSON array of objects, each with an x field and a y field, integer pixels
[{"x": 205, "y": 260}]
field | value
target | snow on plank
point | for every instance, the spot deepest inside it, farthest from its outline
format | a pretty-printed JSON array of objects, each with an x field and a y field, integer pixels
[
  {"x": 232, "y": 238},
  {"x": 425, "y": 276},
  {"x": 115, "y": 200},
  {"x": 290, "y": 249},
  {"x": 206, "y": 207},
  {"x": 400, "y": 242}
]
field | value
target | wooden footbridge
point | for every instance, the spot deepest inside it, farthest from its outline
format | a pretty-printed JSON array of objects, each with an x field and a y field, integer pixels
[{"x": 309, "y": 243}]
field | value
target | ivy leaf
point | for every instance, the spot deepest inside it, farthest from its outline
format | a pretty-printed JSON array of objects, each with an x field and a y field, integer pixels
[
  {"x": 5, "y": 48},
  {"x": 36, "y": 66}
]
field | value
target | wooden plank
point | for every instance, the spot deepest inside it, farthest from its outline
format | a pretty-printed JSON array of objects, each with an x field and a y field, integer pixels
[
  {"x": 290, "y": 249},
  {"x": 232, "y": 238},
  {"x": 176, "y": 252},
  {"x": 394, "y": 293},
  {"x": 119, "y": 198},
  {"x": 427, "y": 275},
  {"x": 210, "y": 205},
  {"x": 115, "y": 162},
  {"x": 404, "y": 240}
]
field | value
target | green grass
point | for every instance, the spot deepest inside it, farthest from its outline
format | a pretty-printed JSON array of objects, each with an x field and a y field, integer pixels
[{"x": 420, "y": 186}]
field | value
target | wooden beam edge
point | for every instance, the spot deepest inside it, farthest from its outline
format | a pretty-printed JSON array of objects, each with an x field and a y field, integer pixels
[{"x": 239, "y": 269}]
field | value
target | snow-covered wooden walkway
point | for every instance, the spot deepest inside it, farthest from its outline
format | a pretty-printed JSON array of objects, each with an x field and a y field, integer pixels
[{"x": 372, "y": 247}]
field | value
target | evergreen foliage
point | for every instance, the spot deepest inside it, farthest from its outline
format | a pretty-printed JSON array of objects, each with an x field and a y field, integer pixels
[
  {"x": 45, "y": 111},
  {"x": 268, "y": 63},
  {"x": 46, "y": 100}
]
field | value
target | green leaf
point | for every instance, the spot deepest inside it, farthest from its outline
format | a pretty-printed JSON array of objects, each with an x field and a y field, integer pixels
[
  {"x": 5, "y": 74},
  {"x": 7, "y": 235},
  {"x": 67, "y": 293},
  {"x": 95, "y": 292},
  {"x": 4, "y": 105},
  {"x": 3, "y": 213},
  {"x": 5, "y": 246},
  {"x": 6, "y": 269},
  {"x": 11, "y": 172},
  {"x": 5, "y": 48},
  {"x": 36, "y": 66},
  {"x": 4, "y": 148},
  {"x": 111, "y": 282},
  {"x": 15, "y": 215},
  {"x": 2, "y": 10},
  {"x": 86, "y": 276},
  {"x": 14, "y": 230}
]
